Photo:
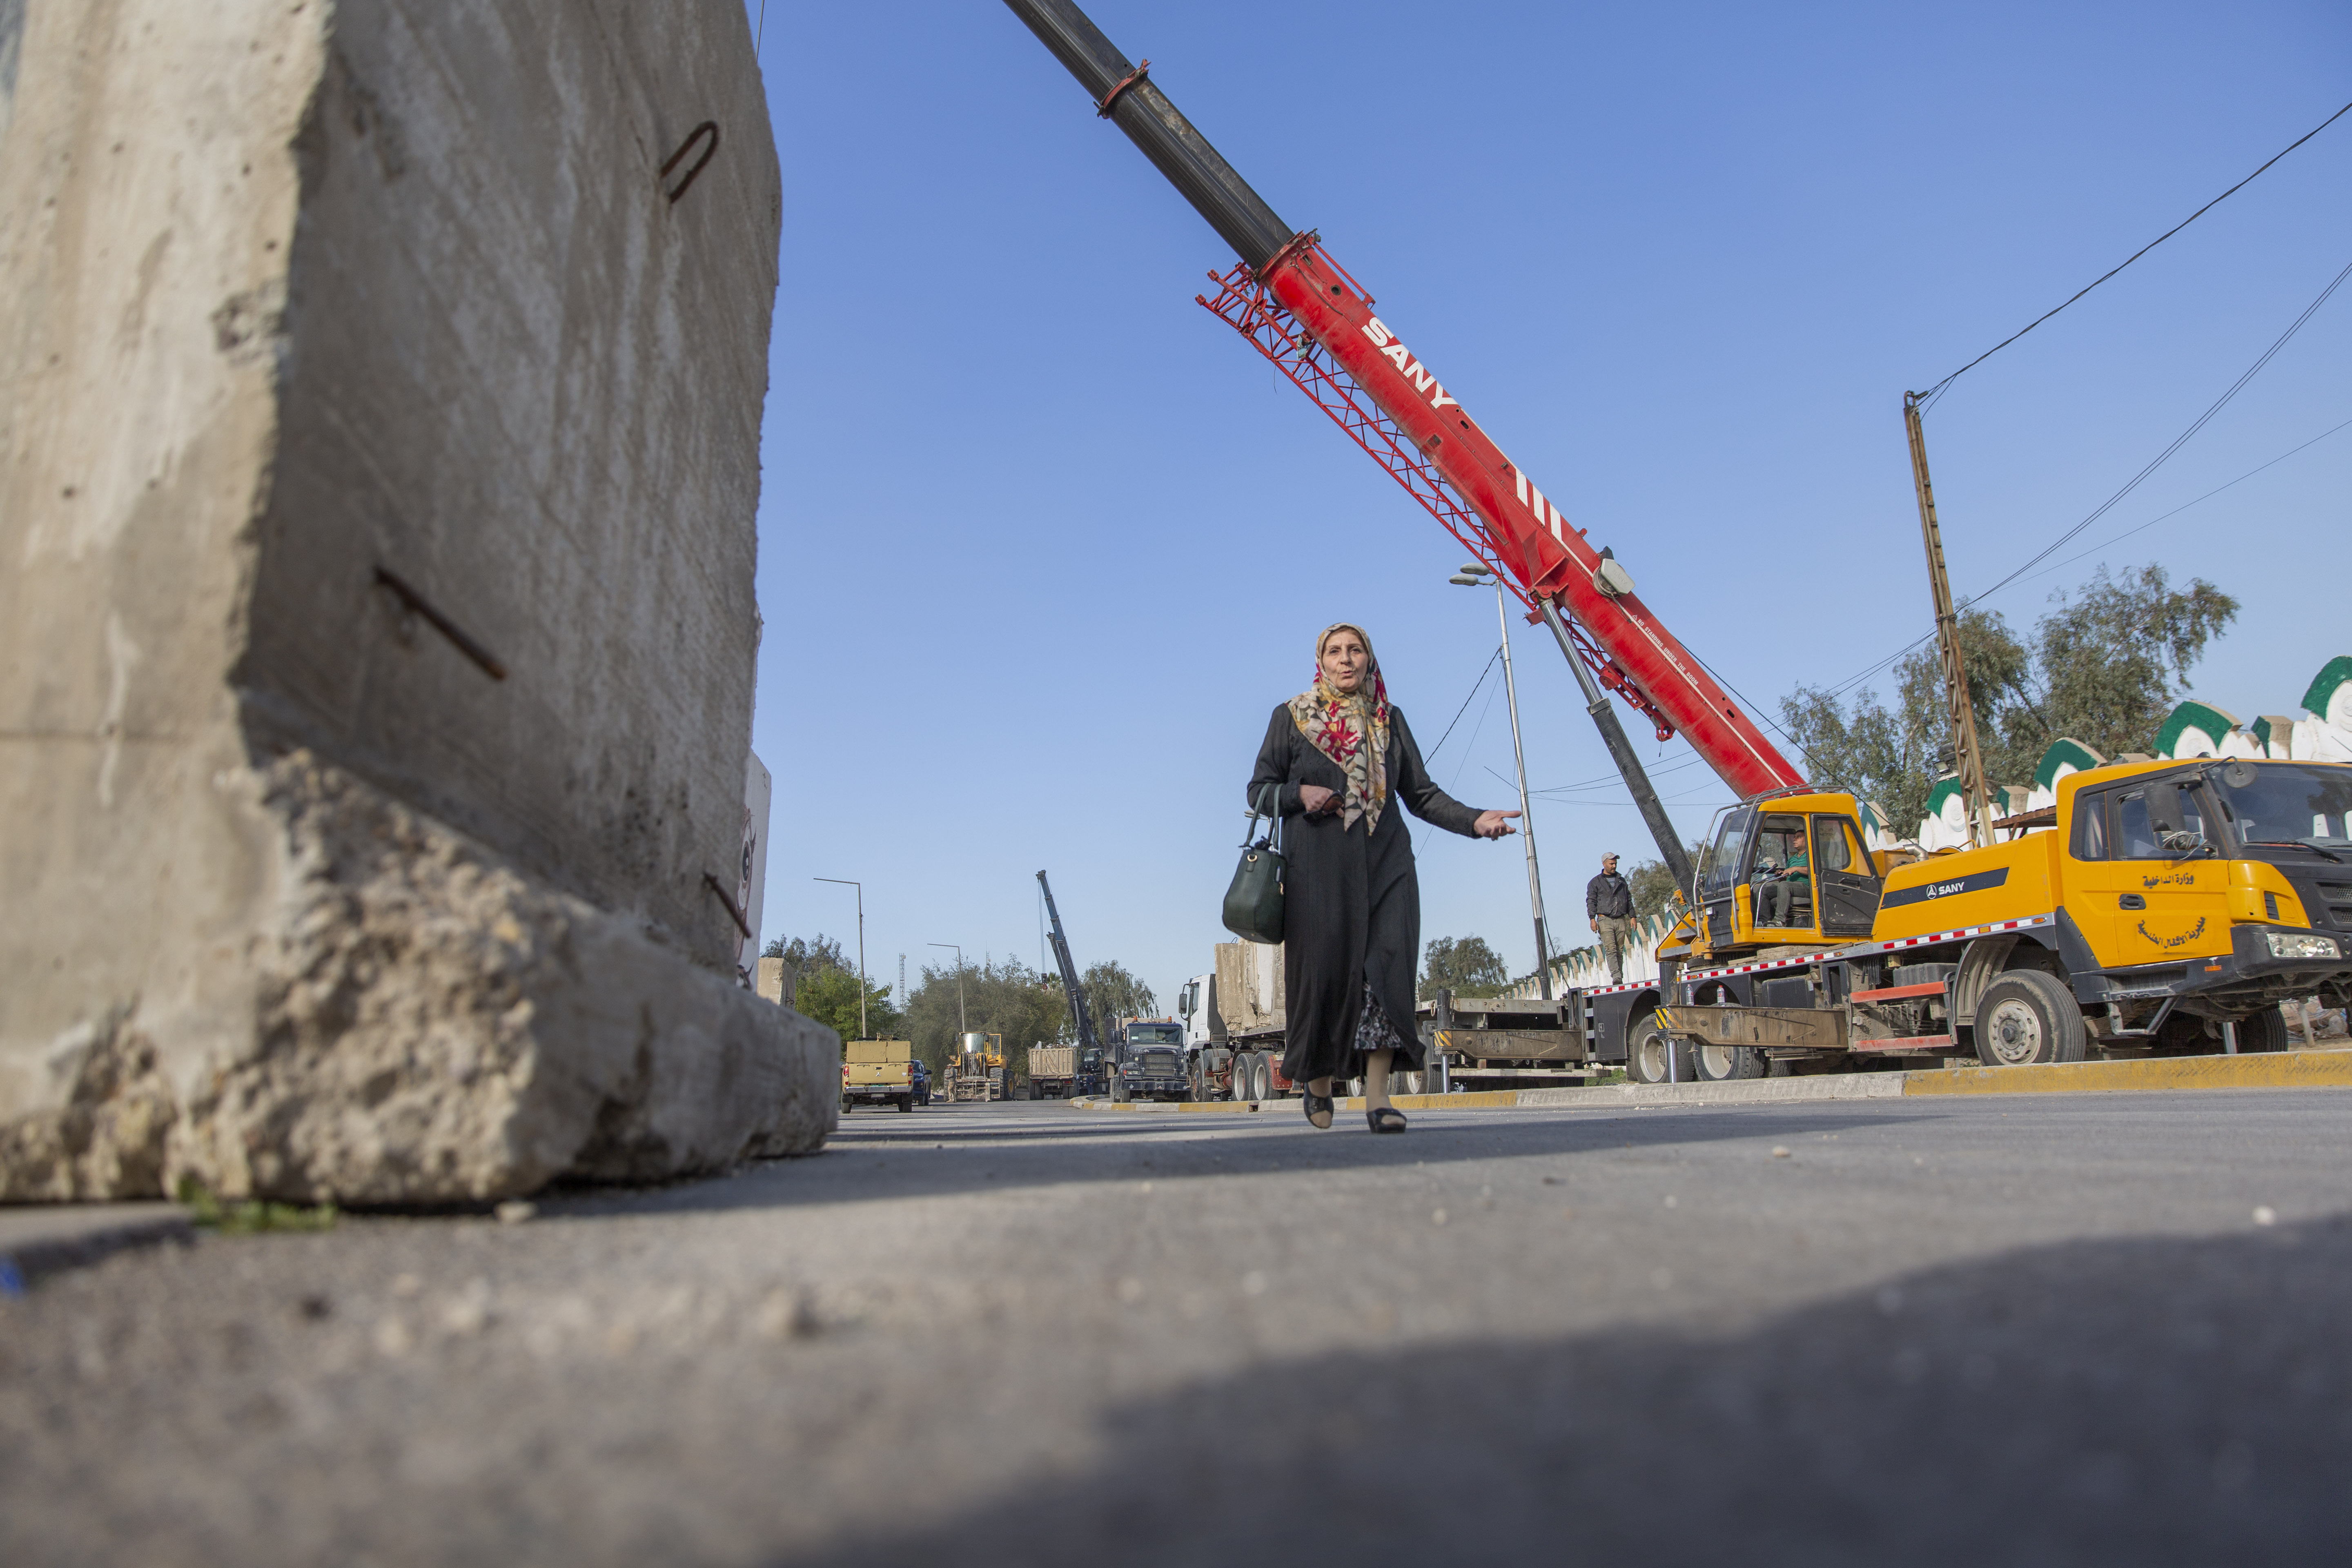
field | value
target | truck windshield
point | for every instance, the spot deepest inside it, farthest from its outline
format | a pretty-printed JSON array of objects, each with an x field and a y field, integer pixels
[
  {"x": 1719, "y": 872},
  {"x": 2287, "y": 803},
  {"x": 1155, "y": 1035}
]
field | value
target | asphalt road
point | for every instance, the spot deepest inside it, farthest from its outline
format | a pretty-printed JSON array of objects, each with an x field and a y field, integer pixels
[{"x": 2067, "y": 1330}]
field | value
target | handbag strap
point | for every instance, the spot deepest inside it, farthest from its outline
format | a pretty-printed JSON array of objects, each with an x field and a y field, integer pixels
[{"x": 1273, "y": 813}]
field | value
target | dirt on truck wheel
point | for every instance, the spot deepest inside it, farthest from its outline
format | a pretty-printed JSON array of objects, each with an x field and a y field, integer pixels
[{"x": 2027, "y": 1017}]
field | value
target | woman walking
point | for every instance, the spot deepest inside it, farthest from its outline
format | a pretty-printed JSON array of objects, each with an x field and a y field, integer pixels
[{"x": 1341, "y": 758}]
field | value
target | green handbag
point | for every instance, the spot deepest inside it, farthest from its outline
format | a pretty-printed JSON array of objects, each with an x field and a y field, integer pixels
[{"x": 1254, "y": 902}]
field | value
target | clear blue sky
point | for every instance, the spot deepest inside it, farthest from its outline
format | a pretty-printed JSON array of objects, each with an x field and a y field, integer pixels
[{"x": 1042, "y": 542}]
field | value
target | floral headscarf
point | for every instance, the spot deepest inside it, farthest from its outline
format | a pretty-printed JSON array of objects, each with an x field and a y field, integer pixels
[{"x": 1351, "y": 728}]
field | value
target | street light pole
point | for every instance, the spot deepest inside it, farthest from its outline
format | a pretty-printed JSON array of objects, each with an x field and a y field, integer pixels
[
  {"x": 961, "y": 1027},
  {"x": 862, "y": 1033},
  {"x": 1470, "y": 576}
]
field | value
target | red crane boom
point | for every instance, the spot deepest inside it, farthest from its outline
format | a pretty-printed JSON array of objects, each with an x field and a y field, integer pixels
[{"x": 1314, "y": 323}]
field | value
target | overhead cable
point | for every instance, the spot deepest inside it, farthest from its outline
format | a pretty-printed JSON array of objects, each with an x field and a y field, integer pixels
[
  {"x": 1850, "y": 682},
  {"x": 1927, "y": 397},
  {"x": 1465, "y": 701}
]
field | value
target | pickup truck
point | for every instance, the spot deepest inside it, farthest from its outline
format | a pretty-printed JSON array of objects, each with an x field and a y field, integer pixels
[{"x": 877, "y": 1072}]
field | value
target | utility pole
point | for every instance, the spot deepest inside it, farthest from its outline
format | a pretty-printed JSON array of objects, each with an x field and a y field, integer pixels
[
  {"x": 843, "y": 881},
  {"x": 1520, "y": 754},
  {"x": 961, "y": 1027},
  {"x": 1966, "y": 756}
]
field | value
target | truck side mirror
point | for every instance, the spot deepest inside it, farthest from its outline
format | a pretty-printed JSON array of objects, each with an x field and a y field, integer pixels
[{"x": 2164, "y": 808}]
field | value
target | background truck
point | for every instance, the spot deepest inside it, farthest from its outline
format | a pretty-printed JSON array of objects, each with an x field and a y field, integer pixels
[
  {"x": 1052, "y": 1071},
  {"x": 882, "y": 1072},
  {"x": 1239, "y": 1057},
  {"x": 1151, "y": 1063}
]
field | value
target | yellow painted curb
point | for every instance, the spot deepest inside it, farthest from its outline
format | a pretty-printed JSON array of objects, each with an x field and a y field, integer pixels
[
  {"x": 2276, "y": 1069},
  {"x": 1481, "y": 1099}
]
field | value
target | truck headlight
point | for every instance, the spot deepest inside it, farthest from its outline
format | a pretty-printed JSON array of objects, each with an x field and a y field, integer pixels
[{"x": 2301, "y": 944}]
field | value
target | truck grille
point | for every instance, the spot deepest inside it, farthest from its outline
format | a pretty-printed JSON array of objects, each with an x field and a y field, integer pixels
[
  {"x": 1157, "y": 1064},
  {"x": 2326, "y": 900}
]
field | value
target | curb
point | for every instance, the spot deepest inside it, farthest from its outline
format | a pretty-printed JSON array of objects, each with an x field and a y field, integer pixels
[
  {"x": 2273, "y": 1070},
  {"x": 2281, "y": 1069},
  {"x": 37, "y": 1239}
]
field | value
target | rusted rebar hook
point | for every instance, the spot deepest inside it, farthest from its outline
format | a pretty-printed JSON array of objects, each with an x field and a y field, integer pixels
[{"x": 708, "y": 152}]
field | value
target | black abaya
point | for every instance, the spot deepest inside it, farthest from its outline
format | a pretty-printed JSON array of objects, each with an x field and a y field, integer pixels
[{"x": 1351, "y": 903}]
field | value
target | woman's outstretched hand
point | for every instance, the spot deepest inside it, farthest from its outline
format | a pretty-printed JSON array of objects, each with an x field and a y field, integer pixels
[
  {"x": 1494, "y": 825},
  {"x": 1316, "y": 799}
]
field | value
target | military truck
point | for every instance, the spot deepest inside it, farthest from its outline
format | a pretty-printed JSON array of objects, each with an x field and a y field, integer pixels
[
  {"x": 2155, "y": 907},
  {"x": 1151, "y": 1063},
  {"x": 882, "y": 1072},
  {"x": 1052, "y": 1071}
]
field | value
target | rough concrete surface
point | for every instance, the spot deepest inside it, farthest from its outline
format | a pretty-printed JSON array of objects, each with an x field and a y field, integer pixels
[
  {"x": 2064, "y": 1330},
  {"x": 377, "y": 440}
]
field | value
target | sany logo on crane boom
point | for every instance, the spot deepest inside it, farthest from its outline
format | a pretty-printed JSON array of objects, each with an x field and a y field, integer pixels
[
  {"x": 1396, "y": 353},
  {"x": 1392, "y": 349}
]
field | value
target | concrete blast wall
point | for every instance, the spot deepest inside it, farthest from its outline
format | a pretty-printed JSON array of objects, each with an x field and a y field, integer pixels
[{"x": 379, "y": 448}]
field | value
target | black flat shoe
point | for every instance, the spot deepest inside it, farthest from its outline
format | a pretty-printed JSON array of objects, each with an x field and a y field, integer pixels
[
  {"x": 1321, "y": 1105},
  {"x": 1387, "y": 1119}
]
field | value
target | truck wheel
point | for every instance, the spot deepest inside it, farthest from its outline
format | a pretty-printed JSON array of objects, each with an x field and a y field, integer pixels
[
  {"x": 2028, "y": 1017},
  {"x": 905, "y": 1102},
  {"x": 2265, "y": 1031},
  {"x": 1726, "y": 1064},
  {"x": 1646, "y": 1049}
]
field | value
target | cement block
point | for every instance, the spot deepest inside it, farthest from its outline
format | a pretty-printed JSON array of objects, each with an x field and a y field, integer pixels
[{"x": 378, "y": 459}]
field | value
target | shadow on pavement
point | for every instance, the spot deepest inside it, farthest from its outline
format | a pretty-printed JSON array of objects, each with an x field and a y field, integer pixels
[
  {"x": 2154, "y": 1401},
  {"x": 921, "y": 1163}
]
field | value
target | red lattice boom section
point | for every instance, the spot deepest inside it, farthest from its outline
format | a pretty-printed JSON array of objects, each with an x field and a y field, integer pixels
[{"x": 1243, "y": 304}]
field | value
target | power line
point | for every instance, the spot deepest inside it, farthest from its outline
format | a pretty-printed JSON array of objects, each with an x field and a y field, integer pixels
[
  {"x": 1465, "y": 702},
  {"x": 1936, "y": 391},
  {"x": 2178, "y": 442},
  {"x": 2184, "y": 506},
  {"x": 2075, "y": 533}
]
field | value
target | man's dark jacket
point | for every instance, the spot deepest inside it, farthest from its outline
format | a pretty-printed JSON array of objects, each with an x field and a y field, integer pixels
[{"x": 1608, "y": 894}]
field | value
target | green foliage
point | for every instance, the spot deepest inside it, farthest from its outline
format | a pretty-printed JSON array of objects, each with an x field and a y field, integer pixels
[
  {"x": 829, "y": 996},
  {"x": 2105, "y": 667},
  {"x": 249, "y": 1218},
  {"x": 1112, "y": 993},
  {"x": 824, "y": 988},
  {"x": 1002, "y": 997},
  {"x": 1464, "y": 965}
]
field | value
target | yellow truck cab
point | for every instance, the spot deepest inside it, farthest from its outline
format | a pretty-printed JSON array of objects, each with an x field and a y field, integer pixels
[
  {"x": 2155, "y": 907},
  {"x": 1786, "y": 868}
]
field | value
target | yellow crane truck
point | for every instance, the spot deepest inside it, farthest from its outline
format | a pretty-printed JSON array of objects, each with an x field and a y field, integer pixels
[{"x": 2156, "y": 908}]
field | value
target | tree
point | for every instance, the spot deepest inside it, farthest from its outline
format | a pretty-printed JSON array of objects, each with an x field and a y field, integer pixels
[
  {"x": 829, "y": 996},
  {"x": 2104, "y": 667},
  {"x": 1464, "y": 965},
  {"x": 1113, "y": 994},
  {"x": 1002, "y": 997},
  {"x": 824, "y": 987}
]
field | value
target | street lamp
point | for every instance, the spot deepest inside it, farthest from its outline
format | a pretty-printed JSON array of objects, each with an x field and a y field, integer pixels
[
  {"x": 1472, "y": 576},
  {"x": 961, "y": 1029},
  {"x": 846, "y": 882}
]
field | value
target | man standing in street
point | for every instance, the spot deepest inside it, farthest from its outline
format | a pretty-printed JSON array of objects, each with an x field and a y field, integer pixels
[{"x": 1609, "y": 904}]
